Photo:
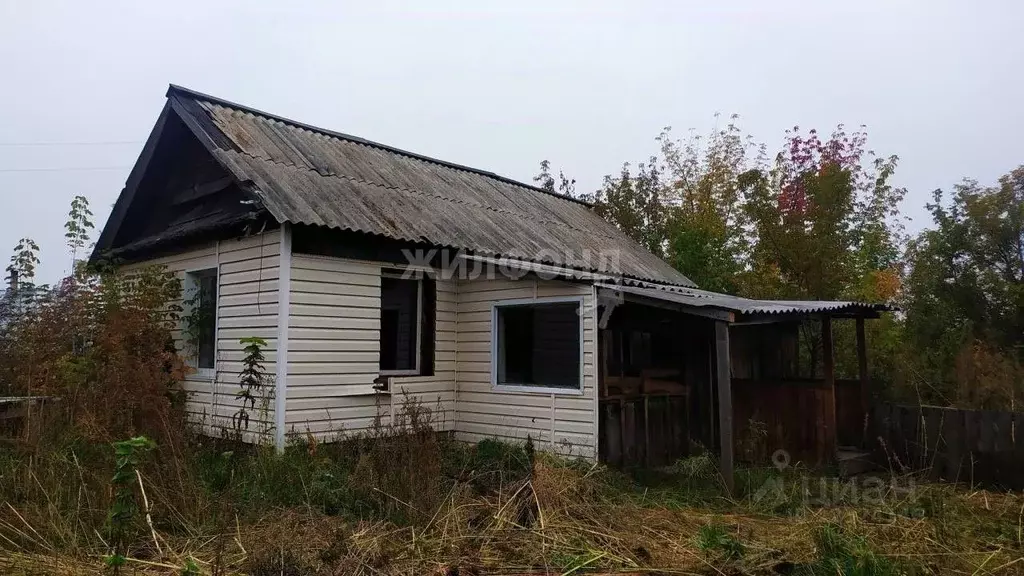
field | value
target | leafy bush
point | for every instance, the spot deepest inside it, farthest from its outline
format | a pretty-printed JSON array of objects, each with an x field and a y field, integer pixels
[{"x": 102, "y": 346}]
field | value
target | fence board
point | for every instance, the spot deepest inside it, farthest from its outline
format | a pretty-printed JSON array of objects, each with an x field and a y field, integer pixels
[
  {"x": 935, "y": 441},
  {"x": 650, "y": 430},
  {"x": 973, "y": 446},
  {"x": 951, "y": 467},
  {"x": 1004, "y": 432}
]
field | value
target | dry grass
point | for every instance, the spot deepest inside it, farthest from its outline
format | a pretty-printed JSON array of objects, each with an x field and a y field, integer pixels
[
  {"x": 563, "y": 518},
  {"x": 405, "y": 500}
]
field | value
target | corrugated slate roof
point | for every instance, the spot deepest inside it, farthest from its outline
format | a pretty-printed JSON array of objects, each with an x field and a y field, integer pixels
[
  {"x": 705, "y": 299},
  {"x": 307, "y": 175}
]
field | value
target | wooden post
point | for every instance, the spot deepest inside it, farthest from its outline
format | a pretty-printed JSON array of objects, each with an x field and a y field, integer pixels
[
  {"x": 647, "y": 428},
  {"x": 862, "y": 372},
  {"x": 605, "y": 339},
  {"x": 724, "y": 401},
  {"x": 829, "y": 366}
]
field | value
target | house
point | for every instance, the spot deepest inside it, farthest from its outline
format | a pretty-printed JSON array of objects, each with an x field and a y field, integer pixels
[{"x": 375, "y": 273}]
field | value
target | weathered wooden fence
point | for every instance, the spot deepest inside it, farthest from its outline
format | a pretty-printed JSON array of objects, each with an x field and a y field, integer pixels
[
  {"x": 976, "y": 446},
  {"x": 647, "y": 431},
  {"x": 796, "y": 415}
]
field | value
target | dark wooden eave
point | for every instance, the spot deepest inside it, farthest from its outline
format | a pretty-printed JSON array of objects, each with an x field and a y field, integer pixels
[{"x": 106, "y": 239}]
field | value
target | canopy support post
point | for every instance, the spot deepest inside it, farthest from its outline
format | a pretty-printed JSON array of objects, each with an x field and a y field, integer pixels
[
  {"x": 830, "y": 385},
  {"x": 724, "y": 374}
]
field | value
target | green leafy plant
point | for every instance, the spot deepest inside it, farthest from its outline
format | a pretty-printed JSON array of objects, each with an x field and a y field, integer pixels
[
  {"x": 715, "y": 539},
  {"x": 24, "y": 261},
  {"x": 842, "y": 553},
  {"x": 78, "y": 225},
  {"x": 190, "y": 568},
  {"x": 22, "y": 291},
  {"x": 123, "y": 510},
  {"x": 253, "y": 382}
]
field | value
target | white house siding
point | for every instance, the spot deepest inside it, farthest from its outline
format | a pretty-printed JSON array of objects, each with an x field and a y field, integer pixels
[
  {"x": 334, "y": 350},
  {"x": 246, "y": 306},
  {"x": 561, "y": 421}
]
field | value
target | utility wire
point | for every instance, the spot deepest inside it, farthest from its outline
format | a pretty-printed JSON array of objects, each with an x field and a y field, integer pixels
[
  {"x": 106, "y": 143},
  {"x": 68, "y": 169}
]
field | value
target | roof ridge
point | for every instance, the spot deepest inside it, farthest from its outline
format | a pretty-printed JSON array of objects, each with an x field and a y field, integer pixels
[{"x": 194, "y": 94}]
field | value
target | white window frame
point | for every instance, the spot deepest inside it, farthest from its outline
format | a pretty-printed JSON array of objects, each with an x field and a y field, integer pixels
[
  {"x": 193, "y": 361},
  {"x": 418, "y": 278},
  {"x": 527, "y": 388}
]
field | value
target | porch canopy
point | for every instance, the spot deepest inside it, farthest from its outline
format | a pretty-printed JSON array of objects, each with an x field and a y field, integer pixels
[
  {"x": 780, "y": 398},
  {"x": 734, "y": 308}
]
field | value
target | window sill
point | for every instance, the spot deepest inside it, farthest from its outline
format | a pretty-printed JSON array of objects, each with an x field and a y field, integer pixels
[
  {"x": 382, "y": 384},
  {"x": 204, "y": 374},
  {"x": 398, "y": 373},
  {"x": 521, "y": 389}
]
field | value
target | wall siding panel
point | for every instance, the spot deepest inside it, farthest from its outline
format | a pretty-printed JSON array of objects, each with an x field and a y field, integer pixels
[
  {"x": 560, "y": 422},
  {"x": 334, "y": 351},
  {"x": 246, "y": 306},
  {"x": 333, "y": 346}
]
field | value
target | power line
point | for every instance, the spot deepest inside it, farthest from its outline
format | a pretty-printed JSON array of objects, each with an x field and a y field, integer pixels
[
  {"x": 98, "y": 143},
  {"x": 68, "y": 169}
]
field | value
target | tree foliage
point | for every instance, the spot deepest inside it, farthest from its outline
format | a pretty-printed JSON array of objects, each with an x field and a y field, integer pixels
[
  {"x": 706, "y": 236},
  {"x": 634, "y": 201},
  {"x": 22, "y": 269},
  {"x": 820, "y": 221},
  {"x": 965, "y": 295},
  {"x": 545, "y": 179},
  {"x": 98, "y": 341},
  {"x": 824, "y": 221}
]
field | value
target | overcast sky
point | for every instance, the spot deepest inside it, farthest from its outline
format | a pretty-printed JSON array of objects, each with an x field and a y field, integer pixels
[{"x": 587, "y": 85}]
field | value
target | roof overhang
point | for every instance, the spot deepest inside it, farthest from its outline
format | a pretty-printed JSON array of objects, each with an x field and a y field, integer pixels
[{"x": 735, "y": 309}]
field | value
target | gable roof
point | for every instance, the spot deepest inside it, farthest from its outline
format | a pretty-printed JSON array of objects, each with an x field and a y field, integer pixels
[{"x": 307, "y": 175}]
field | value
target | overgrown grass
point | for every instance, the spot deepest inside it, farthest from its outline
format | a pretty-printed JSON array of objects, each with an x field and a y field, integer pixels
[{"x": 403, "y": 499}]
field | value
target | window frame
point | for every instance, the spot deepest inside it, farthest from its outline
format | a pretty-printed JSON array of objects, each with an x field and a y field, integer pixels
[
  {"x": 415, "y": 370},
  {"x": 189, "y": 281},
  {"x": 529, "y": 388}
]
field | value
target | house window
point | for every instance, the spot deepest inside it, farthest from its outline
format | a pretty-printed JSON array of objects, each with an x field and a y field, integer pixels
[
  {"x": 201, "y": 317},
  {"x": 537, "y": 344},
  {"x": 401, "y": 324}
]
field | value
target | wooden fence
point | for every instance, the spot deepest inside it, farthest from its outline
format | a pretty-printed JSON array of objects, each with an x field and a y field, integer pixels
[
  {"x": 646, "y": 431},
  {"x": 797, "y": 416},
  {"x": 976, "y": 446}
]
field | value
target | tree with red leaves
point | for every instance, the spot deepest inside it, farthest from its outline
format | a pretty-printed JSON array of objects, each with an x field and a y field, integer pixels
[{"x": 825, "y": 220}]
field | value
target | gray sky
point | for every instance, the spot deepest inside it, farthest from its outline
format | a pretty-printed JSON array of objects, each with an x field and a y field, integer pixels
[{"x": 587, "y": 85}]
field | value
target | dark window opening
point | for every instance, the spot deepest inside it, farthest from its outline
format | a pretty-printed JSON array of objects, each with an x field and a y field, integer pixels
[
  {"x": 203, "y": 287},
  {"x": 400, "y": 324},
  {"x": 538, "y": 345}
]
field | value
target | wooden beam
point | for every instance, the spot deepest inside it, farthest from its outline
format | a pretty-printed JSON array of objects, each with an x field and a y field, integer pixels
[
  {"x": 724, "y": 374},
  {"x": 829, "y": 449},
  {"x": 862, "y": 372}
]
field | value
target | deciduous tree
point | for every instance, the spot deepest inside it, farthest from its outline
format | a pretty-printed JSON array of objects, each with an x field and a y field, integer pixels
[{"x": 965, "y": 295}]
